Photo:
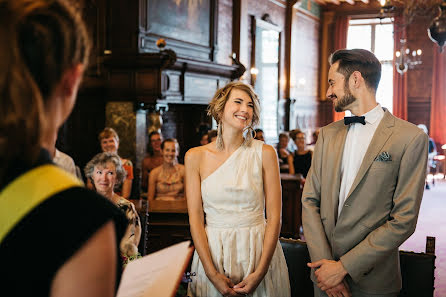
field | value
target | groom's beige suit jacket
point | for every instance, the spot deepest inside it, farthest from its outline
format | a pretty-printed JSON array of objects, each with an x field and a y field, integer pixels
[{"x": 381, "y": 209}]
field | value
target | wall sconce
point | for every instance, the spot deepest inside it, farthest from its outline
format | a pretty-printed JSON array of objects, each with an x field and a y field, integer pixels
[{"x": 254, "y": 71}]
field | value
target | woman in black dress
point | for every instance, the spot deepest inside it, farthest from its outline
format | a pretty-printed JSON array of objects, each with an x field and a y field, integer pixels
[{"x": 302, "y": 156}]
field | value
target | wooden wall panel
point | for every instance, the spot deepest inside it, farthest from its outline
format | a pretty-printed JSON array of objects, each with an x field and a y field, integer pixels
[{"x": 419, "y": 79}]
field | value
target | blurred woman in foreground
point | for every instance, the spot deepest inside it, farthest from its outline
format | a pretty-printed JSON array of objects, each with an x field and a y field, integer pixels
[{"x": 56, "y": 237}]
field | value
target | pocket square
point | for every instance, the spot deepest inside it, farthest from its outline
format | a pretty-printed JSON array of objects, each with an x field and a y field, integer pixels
[{"x": 384, "y": 157}]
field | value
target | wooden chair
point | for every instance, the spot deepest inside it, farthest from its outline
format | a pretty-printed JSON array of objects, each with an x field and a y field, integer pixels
[
  {"x": 297, "y": 257},
  {"x": 417, "y": 271}
]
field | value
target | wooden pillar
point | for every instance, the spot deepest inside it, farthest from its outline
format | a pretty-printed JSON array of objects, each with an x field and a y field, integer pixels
[
  {"x": 326, "y": 49},
  {"x": 287, "y": 62},
  {"x": 240, "y": 30}
]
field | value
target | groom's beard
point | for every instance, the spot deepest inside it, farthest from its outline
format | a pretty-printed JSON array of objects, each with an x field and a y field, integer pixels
[{"x": 345, "y": 101}]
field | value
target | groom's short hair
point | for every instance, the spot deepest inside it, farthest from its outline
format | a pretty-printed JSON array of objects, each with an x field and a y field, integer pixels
[{"x": 360, "y": 60}]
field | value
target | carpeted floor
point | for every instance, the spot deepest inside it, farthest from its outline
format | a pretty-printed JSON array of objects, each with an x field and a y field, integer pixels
[{"x": 432, "y": 222}]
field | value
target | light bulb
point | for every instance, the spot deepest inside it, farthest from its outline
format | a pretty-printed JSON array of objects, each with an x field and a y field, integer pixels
[
  {"x": 419, "y": 52},
  {"x": 407, "y": 51},
  {"x": 382, "y": 2},
  {"x": 398, "y": 54},
  {"x": 414, "y": 53},
  {"x": 254, "y": 71}
]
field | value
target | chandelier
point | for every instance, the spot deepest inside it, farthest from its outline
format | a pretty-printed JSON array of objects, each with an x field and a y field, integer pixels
[{"x": 406, "y": 59}]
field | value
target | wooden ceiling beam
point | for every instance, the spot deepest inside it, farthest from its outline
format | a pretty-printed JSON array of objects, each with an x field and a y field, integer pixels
[
  {"x": 321, "y": 2},
  {"x": 338, "y": 2}
]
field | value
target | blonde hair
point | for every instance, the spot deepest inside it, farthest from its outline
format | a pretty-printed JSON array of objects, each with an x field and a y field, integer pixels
[
  {"x": 107, "y": 133},
  {"x": 39, "y": 41},
  {"x": 217, "y": 105}
]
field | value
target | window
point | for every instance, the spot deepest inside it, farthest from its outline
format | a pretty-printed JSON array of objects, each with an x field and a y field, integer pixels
[
  {"x": 376, "y": 36},
  {"x": 266, "y": 60}
]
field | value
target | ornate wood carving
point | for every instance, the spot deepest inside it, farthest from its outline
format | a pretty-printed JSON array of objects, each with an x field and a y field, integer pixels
[{"x": 152, "y": 78}]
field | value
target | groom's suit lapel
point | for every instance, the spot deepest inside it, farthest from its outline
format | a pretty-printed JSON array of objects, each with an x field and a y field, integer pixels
[
  {"x": 380, "y": 137},
  {"x": 337, "y": 149}
]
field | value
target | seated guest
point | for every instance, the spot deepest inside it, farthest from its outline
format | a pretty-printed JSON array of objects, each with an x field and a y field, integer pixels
[
  {"x": 302, "y": 156},
  {"x": 259, "y": 134},
  {"x": 166, "y": 182},
  {"x": 285, "y": 157},
  {"x": 105, "y": 171},
  {"x": 291, "y": 145},
  {"x": 109, "y": 141},
  {"x": 212, "y": 136},
  {"x": 432, "y": 152},
  {"x": 204, "y": 139},
  {"x": 153, "y": 159},
  {"x": 314, "y": 140},
  {"x": 64, "y": 161}
]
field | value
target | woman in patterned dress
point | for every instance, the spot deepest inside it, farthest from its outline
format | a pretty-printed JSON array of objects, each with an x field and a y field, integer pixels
[{"x": 105, "y": 171}]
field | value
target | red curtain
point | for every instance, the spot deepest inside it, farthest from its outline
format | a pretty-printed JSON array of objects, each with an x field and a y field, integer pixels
[
  {"x": 399, "y": 80},
  {"x": 341, "y": 31},
  {"x": 438, "y": 99}
]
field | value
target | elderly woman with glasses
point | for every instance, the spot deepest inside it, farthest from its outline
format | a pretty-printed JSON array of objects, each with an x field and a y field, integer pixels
[{"x": 105, "y": 171}]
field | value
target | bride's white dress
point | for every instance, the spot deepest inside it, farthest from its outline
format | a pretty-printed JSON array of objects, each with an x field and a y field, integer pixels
[{"x": 234, "y": 206}]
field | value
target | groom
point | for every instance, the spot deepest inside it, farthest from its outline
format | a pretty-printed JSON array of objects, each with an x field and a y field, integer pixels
[{"x": 363, "y": 192}]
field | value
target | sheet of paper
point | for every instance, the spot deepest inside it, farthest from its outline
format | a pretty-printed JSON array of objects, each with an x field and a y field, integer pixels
[{"x": 157, "y": 274}]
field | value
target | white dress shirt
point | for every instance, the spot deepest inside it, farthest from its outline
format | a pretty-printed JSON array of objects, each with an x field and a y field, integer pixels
[{"x": 357, "y": 142}]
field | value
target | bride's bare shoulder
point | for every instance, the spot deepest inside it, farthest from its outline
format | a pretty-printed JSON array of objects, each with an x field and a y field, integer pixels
[{"x": 196, "y": 154}]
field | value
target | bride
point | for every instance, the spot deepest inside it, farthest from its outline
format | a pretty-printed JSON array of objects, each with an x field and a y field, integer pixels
[{"x": 229, "y": 183}]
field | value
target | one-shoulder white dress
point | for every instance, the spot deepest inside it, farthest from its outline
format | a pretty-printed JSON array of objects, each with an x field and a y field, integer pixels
[{"x": 234, "y": 207}]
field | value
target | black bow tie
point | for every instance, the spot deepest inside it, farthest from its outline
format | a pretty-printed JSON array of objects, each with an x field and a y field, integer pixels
[{"x": 355, "y": 119}]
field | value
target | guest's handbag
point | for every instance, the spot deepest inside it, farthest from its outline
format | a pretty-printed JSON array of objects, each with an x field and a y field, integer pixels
[{"x": 28, "y": 191}]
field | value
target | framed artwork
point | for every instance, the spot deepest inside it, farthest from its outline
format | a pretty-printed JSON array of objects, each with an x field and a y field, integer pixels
[{"x": 188, "y": 26}]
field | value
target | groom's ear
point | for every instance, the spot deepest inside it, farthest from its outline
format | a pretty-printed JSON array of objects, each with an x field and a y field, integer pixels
[{"x": 356, "y": 79}]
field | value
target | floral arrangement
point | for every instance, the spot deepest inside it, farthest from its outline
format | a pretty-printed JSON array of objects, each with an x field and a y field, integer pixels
[{"x": 127, "y": 259}]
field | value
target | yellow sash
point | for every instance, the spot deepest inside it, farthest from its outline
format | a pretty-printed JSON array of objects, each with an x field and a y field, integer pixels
[{"x": 28, "y": 191}]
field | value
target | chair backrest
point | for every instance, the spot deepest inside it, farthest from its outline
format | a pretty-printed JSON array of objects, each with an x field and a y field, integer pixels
[
  {"x": 417, "y": 272},
  {"x": 297, "y": 257}
]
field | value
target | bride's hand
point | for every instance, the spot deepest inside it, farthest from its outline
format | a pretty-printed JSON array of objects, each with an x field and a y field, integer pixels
[
  {"x": 249, "y": 284},
  {"x": 223, "y": 285}
]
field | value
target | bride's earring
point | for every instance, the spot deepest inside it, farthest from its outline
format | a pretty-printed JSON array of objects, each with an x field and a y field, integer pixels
[
  {"x": 250, "y": 134},
  {"x": 220, "y": 144}
]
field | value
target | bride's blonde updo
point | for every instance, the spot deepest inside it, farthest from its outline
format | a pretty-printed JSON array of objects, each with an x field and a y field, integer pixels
[{"x": 217, "y": 105}]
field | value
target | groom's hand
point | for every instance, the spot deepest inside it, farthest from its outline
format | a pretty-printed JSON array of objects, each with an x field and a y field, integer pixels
[
  {"x": 329, "y": 273},
  {"x": 341, "y": 290}
]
